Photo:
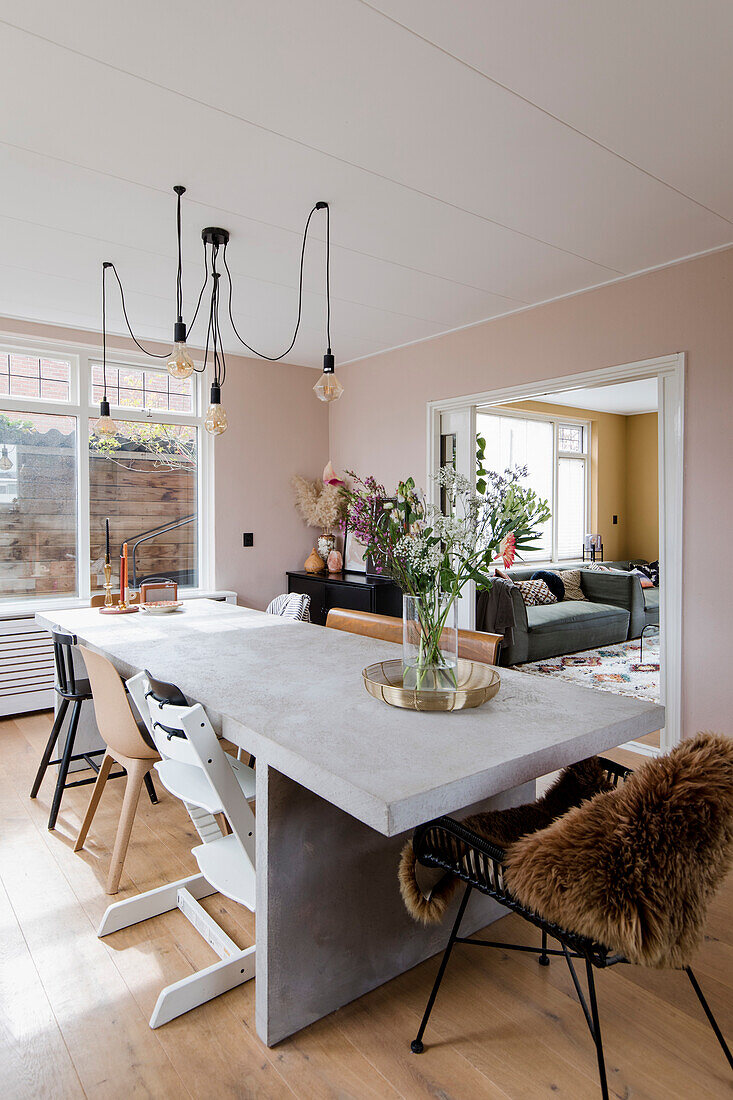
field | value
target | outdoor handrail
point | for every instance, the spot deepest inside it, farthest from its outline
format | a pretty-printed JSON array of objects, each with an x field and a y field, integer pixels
[{"x": 151, "y": 534}]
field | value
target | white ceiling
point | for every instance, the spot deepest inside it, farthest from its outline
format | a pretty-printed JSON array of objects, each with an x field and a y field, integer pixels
[
  {"x": 478, "y": 156},
  {"x": 625, "y": 398}
]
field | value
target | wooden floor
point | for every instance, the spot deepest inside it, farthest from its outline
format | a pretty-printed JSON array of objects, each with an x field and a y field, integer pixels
[{"x": 74, "y": 1009}]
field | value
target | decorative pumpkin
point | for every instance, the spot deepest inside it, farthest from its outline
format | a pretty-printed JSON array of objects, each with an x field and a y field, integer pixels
[{"x": 314, "y": 563}]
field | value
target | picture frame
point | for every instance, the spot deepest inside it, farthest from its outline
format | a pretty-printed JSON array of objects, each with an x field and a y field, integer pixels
[
  {"x": 354, "y": 554},
  {"x": 372, "y": 565}
]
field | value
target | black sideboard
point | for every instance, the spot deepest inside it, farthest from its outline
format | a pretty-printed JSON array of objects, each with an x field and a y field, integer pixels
[{"x": 354, "y": 591}]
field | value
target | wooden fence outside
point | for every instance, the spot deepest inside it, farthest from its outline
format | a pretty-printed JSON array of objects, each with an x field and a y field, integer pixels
[{"x": 133, "y": 489}]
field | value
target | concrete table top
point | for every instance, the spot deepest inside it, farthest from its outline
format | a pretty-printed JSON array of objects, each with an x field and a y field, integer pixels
[{"x": 292, "y": 693}]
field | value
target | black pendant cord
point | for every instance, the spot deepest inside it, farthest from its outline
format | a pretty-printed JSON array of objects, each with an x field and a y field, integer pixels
[
  {"x": 200, "y": 370},
  {"x": 105, "y": 265},
  {"x": 179, "y": 274},
  {"x": 145, "y": 351},
  {"x": 213, "y": 332},
  {"x": 152, "y": 354},
  {"x": 328, "y": 276},
  {"x": 223, "y": 366},
  {"x": 289, "y": 348}
]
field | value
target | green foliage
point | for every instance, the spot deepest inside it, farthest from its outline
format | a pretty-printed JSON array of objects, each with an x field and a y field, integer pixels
[
  {"x": 481, "y": 471},
  {"x": 172, "y": 445},
  {"x": 14, "y": 423}
]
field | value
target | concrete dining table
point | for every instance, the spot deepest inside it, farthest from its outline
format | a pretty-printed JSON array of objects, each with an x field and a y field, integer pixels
[{"x": 342, "y": 779}]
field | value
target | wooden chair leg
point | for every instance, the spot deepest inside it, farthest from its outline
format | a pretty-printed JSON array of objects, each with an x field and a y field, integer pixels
[
  {"x": 136, "y": 772},
  {"x": 102, "y": 776}
]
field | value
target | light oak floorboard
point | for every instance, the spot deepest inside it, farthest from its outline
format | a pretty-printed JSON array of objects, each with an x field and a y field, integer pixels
[{"x": 74, "y": 1009}]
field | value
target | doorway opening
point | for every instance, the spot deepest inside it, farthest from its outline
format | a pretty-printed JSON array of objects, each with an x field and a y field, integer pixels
[{"x": 606, "y": 450}]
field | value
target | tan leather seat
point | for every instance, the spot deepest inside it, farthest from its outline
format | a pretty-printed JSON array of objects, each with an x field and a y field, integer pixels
[{"x": 473, "y": 645}]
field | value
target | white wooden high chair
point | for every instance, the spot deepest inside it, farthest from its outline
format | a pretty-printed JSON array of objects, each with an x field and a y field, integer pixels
[{"x": 195, "y": 768}]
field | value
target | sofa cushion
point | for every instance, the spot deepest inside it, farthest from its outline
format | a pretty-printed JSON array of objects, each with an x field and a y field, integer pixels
[
  {"x": 535, "y": 592},
  {"x": 573, "y": 616},
  {"x": 651, "y": 599},
  {"x": 571, "y": 581}
]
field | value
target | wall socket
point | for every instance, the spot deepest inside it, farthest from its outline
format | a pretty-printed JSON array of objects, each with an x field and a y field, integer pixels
[{"x": 248, "y": 538}]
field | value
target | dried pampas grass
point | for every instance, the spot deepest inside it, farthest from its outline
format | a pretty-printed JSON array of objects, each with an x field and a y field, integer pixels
[{"x": 319, "y": 505}]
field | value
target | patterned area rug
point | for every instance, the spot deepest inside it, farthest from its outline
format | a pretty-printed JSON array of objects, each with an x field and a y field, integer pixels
[{"x": 612, "y": 668}]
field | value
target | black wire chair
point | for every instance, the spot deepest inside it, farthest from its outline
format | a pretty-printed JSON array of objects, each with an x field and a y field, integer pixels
[{"x": 447, "y": 844}]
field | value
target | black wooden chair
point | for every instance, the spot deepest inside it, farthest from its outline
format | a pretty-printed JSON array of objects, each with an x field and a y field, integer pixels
[
  {"x": 447, "y": 844},
  {"x": 72, "y": 692}
]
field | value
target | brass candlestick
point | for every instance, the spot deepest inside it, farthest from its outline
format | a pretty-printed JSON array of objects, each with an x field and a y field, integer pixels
[{"x": 108, "y": 583}]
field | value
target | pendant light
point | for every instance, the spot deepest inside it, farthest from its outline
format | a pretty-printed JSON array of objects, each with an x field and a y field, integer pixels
[
  {"x": 328, "y": 388},
  {"x": 105, "y": 426},
  {"x": 215, "y": 420},
  {"x": 6, "y": 462},
  {"x": 180, "y": 363}
]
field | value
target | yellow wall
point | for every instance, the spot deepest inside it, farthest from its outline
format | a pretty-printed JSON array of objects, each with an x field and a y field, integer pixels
[
  {"x": 642, "y": 488},
  {"x": 623, "y": 478}
]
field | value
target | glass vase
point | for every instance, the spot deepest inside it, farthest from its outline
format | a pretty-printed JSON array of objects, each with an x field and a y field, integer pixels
[{"x": 429, "y": 642}]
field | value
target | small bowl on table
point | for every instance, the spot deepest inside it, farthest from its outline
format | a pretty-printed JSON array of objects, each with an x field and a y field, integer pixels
[{"x": 161, "y": 607}]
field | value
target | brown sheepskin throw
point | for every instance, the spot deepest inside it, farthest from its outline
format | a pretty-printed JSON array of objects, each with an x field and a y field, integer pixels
[
  {"x": 636, "y": 867},
  {"x": 427, "y": 892}
]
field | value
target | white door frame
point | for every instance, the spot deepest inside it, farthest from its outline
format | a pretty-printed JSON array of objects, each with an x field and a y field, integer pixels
[{"x": 670, "y": 373}]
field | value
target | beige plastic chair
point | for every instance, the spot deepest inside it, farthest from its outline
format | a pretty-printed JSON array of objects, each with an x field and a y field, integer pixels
[{"x": 125, "y": 745}]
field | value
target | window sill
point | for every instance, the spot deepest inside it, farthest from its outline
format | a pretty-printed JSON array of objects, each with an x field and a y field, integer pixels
[{"x": 26, "y": 609}]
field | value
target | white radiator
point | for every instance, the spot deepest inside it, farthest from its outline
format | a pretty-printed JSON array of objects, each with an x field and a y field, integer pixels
[{"x": 26, "y": 667}]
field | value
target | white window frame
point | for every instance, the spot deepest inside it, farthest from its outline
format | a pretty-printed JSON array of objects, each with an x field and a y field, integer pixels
[
  {"x": 557, "y": 422},
  {"x": 82, "y": 358}
]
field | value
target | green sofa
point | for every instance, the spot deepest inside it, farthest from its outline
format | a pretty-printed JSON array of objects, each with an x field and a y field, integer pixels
[{"x": 617, "y": 609}]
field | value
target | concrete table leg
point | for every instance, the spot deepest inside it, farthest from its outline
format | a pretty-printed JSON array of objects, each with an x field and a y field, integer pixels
[{"x": 331, "y": 924}]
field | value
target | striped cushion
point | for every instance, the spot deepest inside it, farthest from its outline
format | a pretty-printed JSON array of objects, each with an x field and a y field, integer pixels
[{"x": 296, "y": 605}]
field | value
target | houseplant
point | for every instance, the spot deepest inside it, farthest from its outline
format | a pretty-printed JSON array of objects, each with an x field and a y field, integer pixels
[{"x": 432, "y": 555}]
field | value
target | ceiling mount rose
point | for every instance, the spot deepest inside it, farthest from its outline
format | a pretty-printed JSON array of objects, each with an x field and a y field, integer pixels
[
  {"x": 213, "y": 235},
  {"x": 179, "y": 363}
]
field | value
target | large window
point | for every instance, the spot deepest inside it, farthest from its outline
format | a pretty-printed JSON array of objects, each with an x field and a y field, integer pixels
[
  {"x": 38, "y": 505},
  {"x": 59, "y": 482},
  {"x": 144, "y": 481},
  {"x": 556, "y": 454}
]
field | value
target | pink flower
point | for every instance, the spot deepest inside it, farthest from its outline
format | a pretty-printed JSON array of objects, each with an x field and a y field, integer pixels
[
  {"x": 329, "y": 475},
  {"x": 508, "y": 550}
]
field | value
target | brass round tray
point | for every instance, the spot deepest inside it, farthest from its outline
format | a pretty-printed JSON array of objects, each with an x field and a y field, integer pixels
[{"x": 475, "y": 684}]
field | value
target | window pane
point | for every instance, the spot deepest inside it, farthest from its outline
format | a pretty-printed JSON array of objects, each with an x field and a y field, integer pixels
[
  {"x": 29, "y": 376},
  {"x": 570, "y": 438},
  {"x": 55, "y": 379},
  {"x": 37, "y": 505},
  {"x": 570, "y": 507},
  {"x": 132, "y": 388},
  {"x": 511, "y": 441},
  {"x": 143, "y": 479},
  {"x": 24, "y": 366}
]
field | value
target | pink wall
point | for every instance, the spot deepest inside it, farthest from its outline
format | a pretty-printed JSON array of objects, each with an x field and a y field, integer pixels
[
  {"x": 277, "y": 428},
  {"x": 378, "y": 426}
]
